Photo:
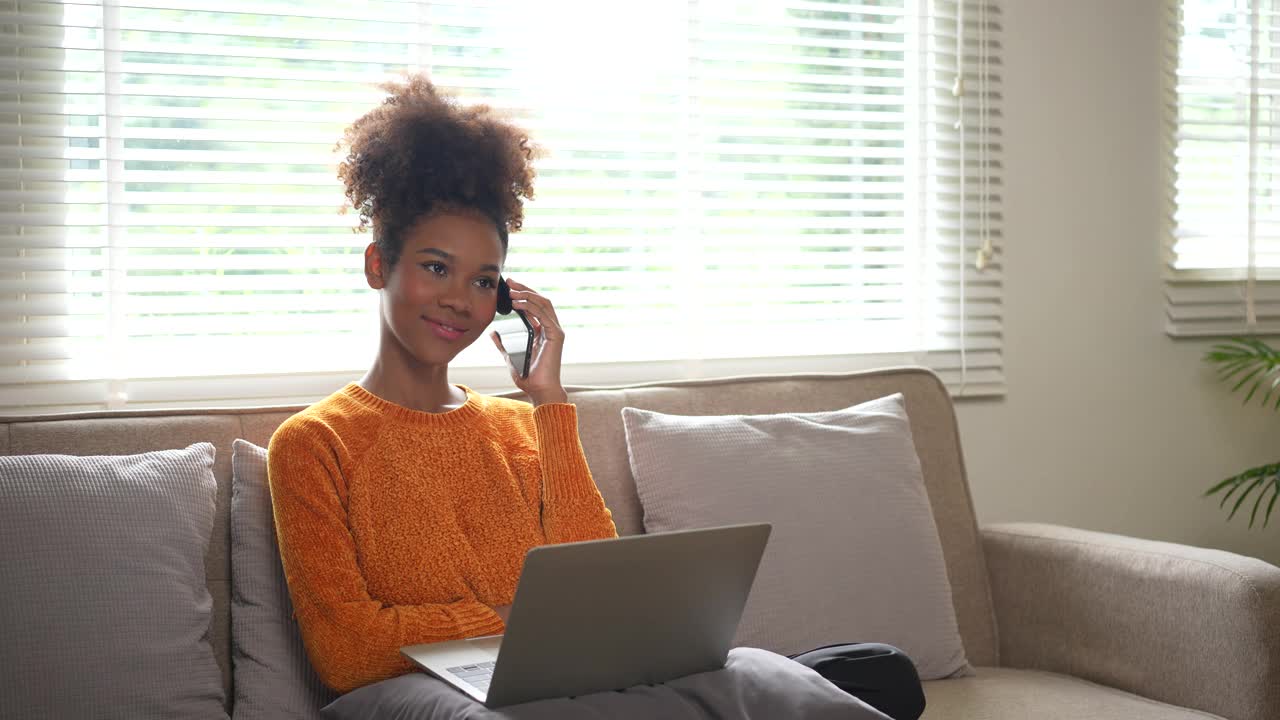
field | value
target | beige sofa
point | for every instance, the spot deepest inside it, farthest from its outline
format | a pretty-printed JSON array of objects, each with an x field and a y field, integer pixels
[{"x": 1060, "y": 623}]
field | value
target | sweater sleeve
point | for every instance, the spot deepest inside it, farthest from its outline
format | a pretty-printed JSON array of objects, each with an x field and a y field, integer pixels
[
  {"x": 572, "y": 508},
  {"x": 351, "y": 638}
]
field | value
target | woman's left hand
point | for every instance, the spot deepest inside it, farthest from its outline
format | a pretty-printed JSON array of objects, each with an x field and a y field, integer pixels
[{"x": 543, "y": 384}]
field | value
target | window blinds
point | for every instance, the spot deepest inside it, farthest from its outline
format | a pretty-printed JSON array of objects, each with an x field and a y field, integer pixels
[
  {"x": 1223, "y": 251},
  {"x": 726, "y": 184}
]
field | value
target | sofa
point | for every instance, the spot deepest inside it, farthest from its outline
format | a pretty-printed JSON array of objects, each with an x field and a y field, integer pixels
[{"x": 1057, "y": 622}]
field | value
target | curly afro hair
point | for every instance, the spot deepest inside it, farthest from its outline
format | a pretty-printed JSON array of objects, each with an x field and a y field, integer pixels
[{"x": 419, "y": 152}]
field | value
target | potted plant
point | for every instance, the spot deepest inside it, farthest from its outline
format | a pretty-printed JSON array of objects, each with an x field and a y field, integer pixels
[{"x": 1252, "y": 363}]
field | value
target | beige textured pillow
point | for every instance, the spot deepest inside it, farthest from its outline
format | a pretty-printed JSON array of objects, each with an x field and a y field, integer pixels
[
  {"x": 854, "y": 555},
  {"x": 274, "y": 679},
  {"x": 105, "y": 611}
]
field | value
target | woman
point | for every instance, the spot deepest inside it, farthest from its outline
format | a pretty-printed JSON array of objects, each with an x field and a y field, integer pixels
[{"x": 404, "y": 505}]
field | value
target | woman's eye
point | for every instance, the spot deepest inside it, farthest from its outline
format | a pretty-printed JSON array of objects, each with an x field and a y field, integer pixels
[
  {"x": 434, "y": 267},
  {"x": 486, "y": 283}
]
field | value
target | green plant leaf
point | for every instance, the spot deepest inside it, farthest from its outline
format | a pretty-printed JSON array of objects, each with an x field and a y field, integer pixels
[
  {"x": 1240, "y": 500},
  {"x": 1231, "y": 359},
  {"x": 1258, "y": 383},
  {"x": 1242, "y": 478},
  {"x": 1246, "y": 379},
  {"x": 1237, "y": 479},
  {"x": 1253, "y": 516},
  {"x": 1260, "y": 346},
  {"x": 1219, "y": 486},
  {"x": 1227, "y": 370},
  {"x": 1267, "y": 398},
  {"x": 1253, "y": 389},
  {"x": 1241, "y": 486},
  {"x": 1266, "y": 518},
  {"x": 1271, "y": 390},
  {"x": 1247, "y": 361}
]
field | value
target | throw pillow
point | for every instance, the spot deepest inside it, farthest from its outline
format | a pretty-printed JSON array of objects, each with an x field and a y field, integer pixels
[
  {"x": 854, "y": 555},
  {"x": 754, "y": 685},
  {"x": 106, "y": 612},
  {"x": 273, "y": 677}
]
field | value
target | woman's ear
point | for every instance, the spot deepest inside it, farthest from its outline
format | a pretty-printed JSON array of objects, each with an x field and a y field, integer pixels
[{"x": 373, "y": 267}]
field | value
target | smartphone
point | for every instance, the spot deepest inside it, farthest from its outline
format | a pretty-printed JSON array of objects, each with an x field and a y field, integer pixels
[{"x": 516, "y": 335}]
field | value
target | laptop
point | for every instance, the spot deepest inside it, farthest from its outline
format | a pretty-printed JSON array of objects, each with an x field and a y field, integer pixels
[{"x": 609, "y": 614}]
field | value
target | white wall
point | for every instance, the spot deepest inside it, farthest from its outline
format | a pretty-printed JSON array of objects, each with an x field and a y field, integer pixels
[{"x": 1109, "y": 424}]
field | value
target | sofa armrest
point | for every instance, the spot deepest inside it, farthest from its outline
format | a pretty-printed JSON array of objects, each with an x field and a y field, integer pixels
[{"x": 1184, "y": 625}]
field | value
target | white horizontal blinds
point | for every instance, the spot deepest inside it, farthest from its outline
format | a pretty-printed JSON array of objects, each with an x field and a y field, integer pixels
[
  {"x": 780, "y": 191},
  {"x": 962, "y": 162},
  {"x": 740, "y": 212},
  {"x": 187, "y": 224},
  {"x": 725, "y": 180},
  {"x": 799, "y": 118},
  {"x": 1223, "y": 254},
  {"x": 237, "y": 260},
  {"x": 51, "y": 286},
  {"x": 604, "y": 89}
]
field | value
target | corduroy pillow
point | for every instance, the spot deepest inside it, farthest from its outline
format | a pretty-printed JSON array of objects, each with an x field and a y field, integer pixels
[
  {"x": 273, "y": 677},
  {"x": 105, "y": 609},
  {"x": 854, "y": 555}
]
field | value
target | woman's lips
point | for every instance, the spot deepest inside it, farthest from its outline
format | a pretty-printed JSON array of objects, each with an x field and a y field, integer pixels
[{"x": 445, "y": 332}]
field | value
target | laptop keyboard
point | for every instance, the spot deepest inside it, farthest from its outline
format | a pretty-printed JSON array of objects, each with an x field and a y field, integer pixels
[{"x": 477, "y": 675}]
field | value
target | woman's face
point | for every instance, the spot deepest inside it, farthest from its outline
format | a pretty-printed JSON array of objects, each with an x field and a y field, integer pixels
[{"x": 443, "y": 292}]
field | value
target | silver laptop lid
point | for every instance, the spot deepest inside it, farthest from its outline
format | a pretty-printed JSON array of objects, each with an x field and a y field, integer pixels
[{"x": 609, "y": 614}]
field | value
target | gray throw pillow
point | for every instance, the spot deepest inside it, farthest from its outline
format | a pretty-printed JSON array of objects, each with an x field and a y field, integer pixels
[
  {"x": 105, "y": 609},
  {"x": 273, "y": 677},
  {"x": 854, "y": 555},
  {"x": 754, "y": 685}
]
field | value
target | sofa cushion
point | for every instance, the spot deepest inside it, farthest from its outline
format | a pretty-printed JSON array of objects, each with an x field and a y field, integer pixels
[
  {"x": 854, "y": 555},
  {"x": 994, "y": 693},
  {"x": 933, "y": 429},
  {"x": 106, "y": 609},
  {"x": 273, "y": 677},
  {"x": 131, "y": 432}
]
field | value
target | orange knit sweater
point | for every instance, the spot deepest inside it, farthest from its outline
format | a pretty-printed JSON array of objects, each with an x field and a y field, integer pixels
[{"x": 399, "y": 527}]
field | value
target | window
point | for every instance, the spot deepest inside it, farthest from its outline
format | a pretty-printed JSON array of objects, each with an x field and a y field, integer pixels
[
  {"x": 731, "y": 187},
  {"x": 1223, "y": 253}
]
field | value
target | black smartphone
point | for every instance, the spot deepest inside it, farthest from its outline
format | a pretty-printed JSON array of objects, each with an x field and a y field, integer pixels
[{"x": 516, "y": 337}]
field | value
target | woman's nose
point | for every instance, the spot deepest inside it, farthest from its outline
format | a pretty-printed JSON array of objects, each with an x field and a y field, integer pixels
[{"x": 456, "y": 298}]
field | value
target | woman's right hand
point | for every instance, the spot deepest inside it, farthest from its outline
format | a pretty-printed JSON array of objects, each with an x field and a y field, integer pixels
[{"x": 543, "y": 384}]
